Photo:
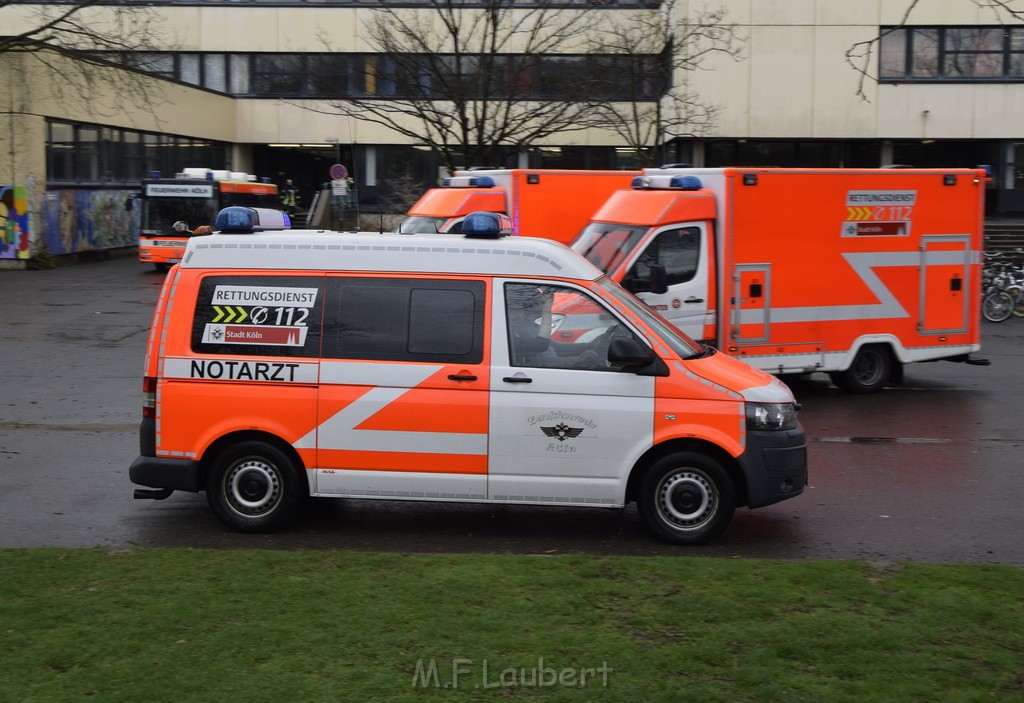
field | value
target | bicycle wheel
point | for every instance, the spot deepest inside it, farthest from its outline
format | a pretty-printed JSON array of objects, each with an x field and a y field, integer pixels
[
  {"x": 1016, "y": 292},
  {"x": 997, "y": 306}
]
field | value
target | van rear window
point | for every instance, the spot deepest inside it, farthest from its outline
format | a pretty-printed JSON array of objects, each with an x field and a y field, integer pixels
[{"x": 258, "y": 315}]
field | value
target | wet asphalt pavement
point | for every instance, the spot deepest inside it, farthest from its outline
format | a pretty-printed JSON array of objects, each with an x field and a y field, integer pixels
[{"x": 930, "y": 471}]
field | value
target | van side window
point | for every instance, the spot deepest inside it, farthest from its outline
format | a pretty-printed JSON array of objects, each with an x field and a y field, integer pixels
[
  {"x": 405, "y": 319},
  {"x": 556, "y": 327},
  {"x": 258, "y": 315},
  {"x": 678, "y": 250}
]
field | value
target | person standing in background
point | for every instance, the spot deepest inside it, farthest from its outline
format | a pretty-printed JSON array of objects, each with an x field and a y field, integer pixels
[{"x": 289, "y": 197}]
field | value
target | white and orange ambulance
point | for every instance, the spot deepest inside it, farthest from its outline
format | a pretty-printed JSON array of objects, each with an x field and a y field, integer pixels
[
  {"x": 852, "y": 272},
  {"x": 391, "y": 367}
]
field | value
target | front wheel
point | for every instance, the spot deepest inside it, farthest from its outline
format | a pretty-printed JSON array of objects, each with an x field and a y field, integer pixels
[
  {"x": 997, "y": 306},
  {"x": 687, "y": 498},
  {"x": 254, "y": 487},
  {"x": 871, "y": 368}
]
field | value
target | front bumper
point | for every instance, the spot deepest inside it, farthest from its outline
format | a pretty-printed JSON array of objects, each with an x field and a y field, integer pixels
[{"x": 774, "y": 466}]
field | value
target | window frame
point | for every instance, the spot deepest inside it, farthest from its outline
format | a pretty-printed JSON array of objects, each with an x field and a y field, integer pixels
[
  {"x": 924, "y": 54},
  {"x": 413, "y": 286}
]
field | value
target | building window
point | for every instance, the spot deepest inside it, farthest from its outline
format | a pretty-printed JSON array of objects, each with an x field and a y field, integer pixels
[
  {"x": 339, "y": 76},
  {"x": 215, "y": 72},
  {"x": 90, "y": 154},
  {"x": 278, "y": 74},
  {"x": 951, "y": 54}
]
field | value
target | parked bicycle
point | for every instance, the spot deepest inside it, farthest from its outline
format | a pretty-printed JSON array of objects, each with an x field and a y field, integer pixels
[{"x": 1003, "y": 287}]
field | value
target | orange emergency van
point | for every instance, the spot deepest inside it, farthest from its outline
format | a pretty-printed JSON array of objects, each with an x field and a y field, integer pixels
[
  {"x": 853, "y": 272},
  {"x": 550, "y": 203},
  {"x": 387, "y": 367}
]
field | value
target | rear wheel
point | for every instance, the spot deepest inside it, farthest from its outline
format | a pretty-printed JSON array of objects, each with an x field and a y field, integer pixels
[
  {"x": 997, "y": 306},
  {"x": 254, "y": 487},
  {"x": 869, "y": 372},
  {"x": 162, "y": 268},
  {"x": 687, "y": 498}
]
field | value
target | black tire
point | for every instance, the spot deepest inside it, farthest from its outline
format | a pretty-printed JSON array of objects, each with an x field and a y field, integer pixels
[
  {"x": 162, "y": 268},
  {"x": 254, "y": 487},
  {"x": 687, "y": 498},
  {"x": 997, "y": 306},
  {"x": 871, "y": 369}
]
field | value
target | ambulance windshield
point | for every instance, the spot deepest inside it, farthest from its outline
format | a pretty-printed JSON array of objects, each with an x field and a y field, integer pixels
[
  {"x": 421, "y": 225},
  {"x": 607, "y": 245},
  {"x": 680, "y": 343}
]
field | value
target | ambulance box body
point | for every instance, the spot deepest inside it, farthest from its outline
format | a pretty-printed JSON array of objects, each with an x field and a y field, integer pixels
[
  {"x": 545, "y": 203},
  {"x": 443, "y": 368},
  {"x": 847, "y": 271}
]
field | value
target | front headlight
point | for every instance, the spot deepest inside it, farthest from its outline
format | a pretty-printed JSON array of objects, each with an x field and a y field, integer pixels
[{"x": 771, "y": 416}]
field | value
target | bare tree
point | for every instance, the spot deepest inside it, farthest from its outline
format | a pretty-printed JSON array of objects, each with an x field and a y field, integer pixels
[
  {"x": 475, "y": 82},
  {"x": 73, "y": 43},
  {"x": 860, "y": 56},
  {"x": 647, "y": 98}
]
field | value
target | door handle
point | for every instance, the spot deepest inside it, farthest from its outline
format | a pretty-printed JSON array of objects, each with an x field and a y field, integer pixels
[
  {"x": 517, "y": 379},
  {"x": 461, "y": 377},
  {"x": 691, "y": 299}
]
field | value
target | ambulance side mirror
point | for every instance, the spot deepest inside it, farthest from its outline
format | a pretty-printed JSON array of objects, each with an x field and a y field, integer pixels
[{"x": 656, "y": 281}]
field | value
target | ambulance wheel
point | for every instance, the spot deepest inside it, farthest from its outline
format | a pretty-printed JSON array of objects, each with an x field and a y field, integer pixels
[
  {"x": 869, "y": 372},
  {"x": 162, "y": 268},
  {"x": 254, "y": 487},
  {"x": 687, "y": 498}
]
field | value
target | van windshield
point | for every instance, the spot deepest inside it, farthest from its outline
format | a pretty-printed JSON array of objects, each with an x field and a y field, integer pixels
[
  {"x": 607, "y": 245},
  {"x": 680, "y": 343}
]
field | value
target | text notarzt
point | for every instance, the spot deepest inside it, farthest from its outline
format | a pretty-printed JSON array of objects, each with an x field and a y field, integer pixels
[{"x": 468, "y": 673}]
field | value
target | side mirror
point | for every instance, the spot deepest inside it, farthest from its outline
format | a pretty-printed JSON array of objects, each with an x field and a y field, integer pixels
[
  {"x": 659, "y": 279},
  {"x": 626, "y": 351},
  {"x": 656, "y": 281}
]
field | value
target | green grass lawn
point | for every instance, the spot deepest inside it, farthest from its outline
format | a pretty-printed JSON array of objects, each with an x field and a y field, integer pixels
[{"x": 226, "y": 626}]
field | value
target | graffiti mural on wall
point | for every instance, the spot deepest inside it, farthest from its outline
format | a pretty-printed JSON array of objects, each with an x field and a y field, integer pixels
[
  {"x": 14, "y": 234},
  {"x": 90, "y": 220}
]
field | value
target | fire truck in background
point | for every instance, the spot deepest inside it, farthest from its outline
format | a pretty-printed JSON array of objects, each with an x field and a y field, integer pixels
[
  {"x": 853, "y": 272},
  {"x": 193, "y": 197},
  {"x": 552, "y": 204}
]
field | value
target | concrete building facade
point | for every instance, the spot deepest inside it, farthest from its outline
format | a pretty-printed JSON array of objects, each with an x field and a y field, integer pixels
[{"x": 945, "y": 88}]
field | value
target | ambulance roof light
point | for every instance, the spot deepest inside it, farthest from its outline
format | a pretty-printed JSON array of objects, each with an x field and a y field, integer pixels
[
  {"x": 468, "y": 182},
  {"x": 486, "y": 225},
  {"x": 666, "y": 182},
  {"x": 685, "y": 183},
  {"x": 246, "y": 220}
]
